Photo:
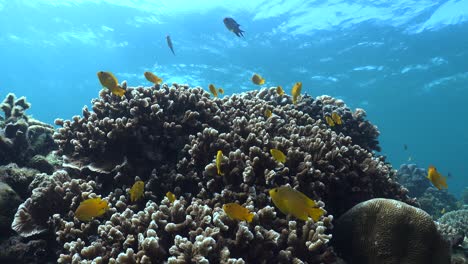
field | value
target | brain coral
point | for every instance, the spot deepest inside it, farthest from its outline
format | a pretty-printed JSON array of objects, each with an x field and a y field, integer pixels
[
  {"x": 387, "y": 231},
  {"x": 169, "y": 136}
]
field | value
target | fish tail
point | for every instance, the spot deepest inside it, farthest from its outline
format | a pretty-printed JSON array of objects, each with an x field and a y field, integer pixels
[
  {"x": 316, "y": 213},
  {"x": 249, "y": 217}
]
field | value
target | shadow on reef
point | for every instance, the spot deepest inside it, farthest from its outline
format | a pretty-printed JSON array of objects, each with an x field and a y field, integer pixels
[{"x": 168, "y": 136}]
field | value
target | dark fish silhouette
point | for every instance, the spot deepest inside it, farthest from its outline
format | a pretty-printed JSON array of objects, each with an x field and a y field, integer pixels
[
  {"x": 169, "y": 43},
  {"x": 405, "y": 147},
  {"x": 232, "y": 25}
]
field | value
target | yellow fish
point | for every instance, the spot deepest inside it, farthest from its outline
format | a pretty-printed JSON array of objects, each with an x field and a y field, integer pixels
[
  {"x": 336, "y": 118},
  {"x": 278, "y": 155},
  {"x": 238, "y": 212},
  {"x": 268, "y": 113},
  {"x": 171, "y": 196},
  {"x": 90, "y": 208},
  {"x": 329, "y": 120},
  {"x": 257, "y": 79},
  {"x": 279, "y": 90},
  {"x": 296, "y": 91},
  {"x": 290, "y": 201},
  {"x": 213, "y": 90},
  {"x": 108, "y": 80},
  {"x": 221, "y": 90},
  {"x": 136, "y": 192},
  {"x": 153, "y": 78},
  {"x": 219, "y": 158},
  {"x": 439, "y": 181},
  {"x": 442, "y": 211}
]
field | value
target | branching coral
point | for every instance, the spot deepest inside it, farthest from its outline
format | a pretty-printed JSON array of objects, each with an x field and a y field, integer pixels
[
  {"x": 21, "y": 136},
  {"x": 169, "y": 137}
]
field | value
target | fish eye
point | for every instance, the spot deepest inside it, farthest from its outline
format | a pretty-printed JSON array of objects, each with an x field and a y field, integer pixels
[{"x": 276, "y": 190}]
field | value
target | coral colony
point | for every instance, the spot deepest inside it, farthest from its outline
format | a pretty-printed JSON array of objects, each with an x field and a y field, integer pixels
[{"x": 144, "y": 178}]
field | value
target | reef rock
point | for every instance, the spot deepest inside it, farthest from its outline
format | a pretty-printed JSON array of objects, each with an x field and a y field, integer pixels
[
  {"x": 386, "y": 231},
  {"x": 9, "y": 201}
]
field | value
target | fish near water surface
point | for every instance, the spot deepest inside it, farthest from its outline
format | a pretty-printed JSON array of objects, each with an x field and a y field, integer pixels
[
  {"x": 169, "y": 44},
  {"x": 291, "y": 201},
  {"x": 233, "y": 26},
  {"x": 238, "y": 212},
  {"x": 90, "y": 208}
]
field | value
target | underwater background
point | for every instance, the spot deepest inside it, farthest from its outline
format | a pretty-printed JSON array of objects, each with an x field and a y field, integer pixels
[
  {"x": 404, "y": 62},
  {"x": 365, "y": 163}
]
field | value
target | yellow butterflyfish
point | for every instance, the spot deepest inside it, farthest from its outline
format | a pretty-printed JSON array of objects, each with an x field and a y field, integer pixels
[
  {"x": 329, "y": 120},
  {"x": 171, "y": 196},
  {"x": 136, "y": 192},
  {"x": 238, "y": 212},
  {"x": 296, "y": 91},
  {"x": 439, "y": 181},
  {"x": 221, "y": 90},
  {"x": 152, "y": 78},
  {"x": 278, "y": 155},
  {"x": 213, "y": 90},
  {"x": 219, "y": 158},
  {"x": 90, "y": 208},
  {"x": 336, "y": 118},
  {"x": 290, "y": 201},
  {"x": 268, "y": 113},
  {"x": 108, "y": 80},
  {"x": 257, "y": 79},
  {"x": 279, "y": 90}
]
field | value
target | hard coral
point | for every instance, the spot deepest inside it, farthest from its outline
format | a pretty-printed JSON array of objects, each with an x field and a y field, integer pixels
[
  {"x": 21, "y": 136},
  {"x": 170, "y": 137},
  {"x": 387, "y": 231}
]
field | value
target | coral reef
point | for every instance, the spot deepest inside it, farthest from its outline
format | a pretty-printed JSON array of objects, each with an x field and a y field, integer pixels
[
  {"x": 458, "y": 220},
  {"x": 168, "y": 137},
  {"x": 9, "y": 201},
  {"x": 413, "y": 178},
  {"x": 387, "y": 231},
  {"x": 435, "y": 202},
  {"x": 21, "y": 136}
]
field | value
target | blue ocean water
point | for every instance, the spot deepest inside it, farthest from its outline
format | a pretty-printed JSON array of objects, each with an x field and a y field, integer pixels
[{"x": 404, "y": 62}]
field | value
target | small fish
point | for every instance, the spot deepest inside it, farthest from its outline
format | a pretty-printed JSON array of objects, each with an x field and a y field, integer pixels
[
  {"x": 410, "y": 158},
  {"x": 219, "y": 158},
  {"x": 279, "y": 90},
  {"x": 169, "y": 43},
  {"x": 238, "y": 212},
  {"x": 213, "y": 90},
  {"x": 329, "y": 120},
  {"x": 257, "y": 79},
  {"x": 268, "y": 113},
  {"x": 108, "y": 80},
  {"x": 233, "y": 26},
  {"x": 296, "y": 91},
  {"x": 290, "y": 201},
  {"x": 442, "y": 211},
  {"x": 278, "y": 155},
  {"x": 136, "y": 192},
  {"x": 171, "y": 196},
  {"x": 336, "y": 118},
  {"x": 153, "y": 78},
  {"x": 439, "y": 181},
  {"x": 220, "y": 90},
  {"x": 90, "y": 208},
  {"x": 405, "y": 147}
]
